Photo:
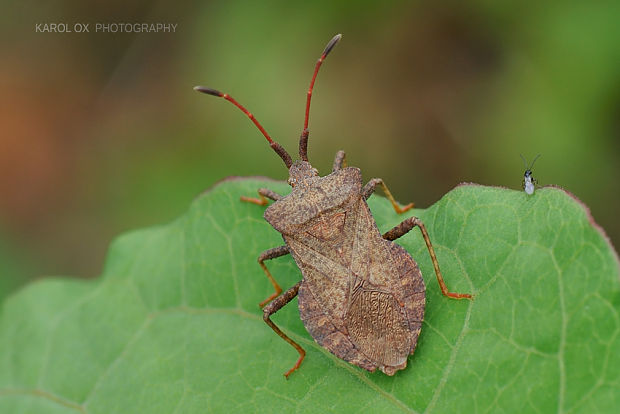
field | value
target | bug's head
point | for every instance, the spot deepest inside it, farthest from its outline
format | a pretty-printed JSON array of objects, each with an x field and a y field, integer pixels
[
  {"x": 301, "y": 174},
  {"x": 300, "y": 171}
]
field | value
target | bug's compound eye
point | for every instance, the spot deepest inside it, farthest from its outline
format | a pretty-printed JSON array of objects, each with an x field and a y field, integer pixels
[{"x": 292, "y": 181}]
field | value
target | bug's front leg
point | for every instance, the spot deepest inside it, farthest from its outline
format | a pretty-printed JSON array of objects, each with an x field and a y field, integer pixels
[
  {"x": 372, "y": 185},
  {"x": 271, "y": 254},
  {"x": 402, "y": 229},
  {"x": 263, "y": 194},
  {"x": 277, "y": 304}
]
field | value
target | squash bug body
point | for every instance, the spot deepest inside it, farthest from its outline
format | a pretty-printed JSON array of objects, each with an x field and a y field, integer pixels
[{"x": 362, "y": 296}]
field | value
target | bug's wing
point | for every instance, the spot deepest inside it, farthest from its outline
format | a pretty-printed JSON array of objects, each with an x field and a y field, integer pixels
[
  {"x": 386, "y": 266},
  {"x": 327, "y": 278},
  {"x": 378, "y": 326},
  {"x": 322, "y": 251},
  {"x": 323, "y": 302},
  {"x": 384, "y": 320},
  {"x": 363, "y": 300},
  {"x": 322, "y": 326},
  {"x": 386, "y": 298}
]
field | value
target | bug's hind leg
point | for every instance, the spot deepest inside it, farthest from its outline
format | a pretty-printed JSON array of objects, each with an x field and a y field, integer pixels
[
  {"x": 371, "y": 187},
  {"x": 340, "y": 161},
  {"x": 271, "y": 254},
  {"x": 277, "y": 304},
  {"x": 263, "y": 194},
  {"x": 404, "y": 228}
]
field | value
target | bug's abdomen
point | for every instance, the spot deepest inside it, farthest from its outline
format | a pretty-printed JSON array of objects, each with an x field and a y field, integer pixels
[{"x": 378, "y": 326}]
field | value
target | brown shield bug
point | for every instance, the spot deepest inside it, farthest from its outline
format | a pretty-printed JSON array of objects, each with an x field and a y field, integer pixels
[{"x": 361, "y": 296}]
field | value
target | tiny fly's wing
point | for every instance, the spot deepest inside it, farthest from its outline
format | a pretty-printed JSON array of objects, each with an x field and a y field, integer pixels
[{"x": 529, "y": 186}]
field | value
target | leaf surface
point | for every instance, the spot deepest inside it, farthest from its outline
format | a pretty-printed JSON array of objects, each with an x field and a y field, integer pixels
[{"x": 173, "y": 323}]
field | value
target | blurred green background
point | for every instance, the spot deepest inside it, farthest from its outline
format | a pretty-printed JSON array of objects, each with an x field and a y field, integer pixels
[{"x": 102, "y": 133}]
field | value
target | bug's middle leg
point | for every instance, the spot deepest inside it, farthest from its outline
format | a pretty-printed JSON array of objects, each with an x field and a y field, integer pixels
[
  {"x": 275, "y": 306},
  {"x": 263, "y": 194},
  {"x": 402, "y": 229},
  {"x": 271, "y": 254},
  {"x": 372, "y": 185}
]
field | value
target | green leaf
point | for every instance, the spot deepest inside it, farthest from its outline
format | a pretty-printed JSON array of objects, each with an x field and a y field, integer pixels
[{"x": 173, "y": 324}]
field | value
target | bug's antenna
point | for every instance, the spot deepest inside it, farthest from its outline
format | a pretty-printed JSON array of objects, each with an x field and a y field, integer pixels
[
  {"x": 524, "y": 161},
  {"x": 532, "y": 164},
  {"x": 279, "y": 149},
  {"x": 303, "y": 140}
]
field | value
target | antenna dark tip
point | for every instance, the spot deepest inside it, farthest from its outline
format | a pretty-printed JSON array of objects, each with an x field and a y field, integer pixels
[
  {"x": 331, "y": 44},
  {"x": 208, "y": 91}
]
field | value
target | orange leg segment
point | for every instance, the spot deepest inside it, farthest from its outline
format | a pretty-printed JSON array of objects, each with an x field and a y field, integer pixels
[
  {"x": 272, "y": 254},
  {"x": 277, "y": 304},
  {"x": 263, "y": 194}
]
